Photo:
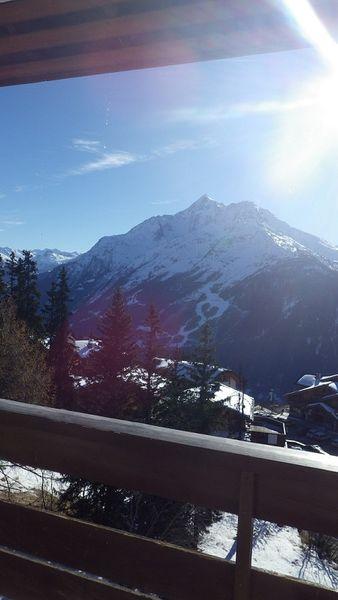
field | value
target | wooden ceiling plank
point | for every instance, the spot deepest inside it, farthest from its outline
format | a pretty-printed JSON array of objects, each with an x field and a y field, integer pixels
[
  {"x": 157, "y": 54},
  {"x": 47, "y": 39},
  {"x": 19, "y": 11},
  {"x": 156, "y": 20}
]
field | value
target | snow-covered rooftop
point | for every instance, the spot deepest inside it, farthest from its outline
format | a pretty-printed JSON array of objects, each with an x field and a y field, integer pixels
[
  {"x": 307, "y": 380},
  {"x": 235, "y": 400},
  {"x": 185, "y": 368},
  {"x": 321, "y": 385}
]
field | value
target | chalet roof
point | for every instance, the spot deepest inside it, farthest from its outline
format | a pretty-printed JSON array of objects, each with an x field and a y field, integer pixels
[
  {"x": 185, "y": 367},
  {"x": 43, "y": 40},
  {"x": 310, "y": 380},
  {"x": 325, "y": 407},
  {"x": 262, "y": 429},
  {"x": 321, "y": 387},
  {"x": 269, "y": 423},
  {"x": 232, "y": 399},
  {"x": 330, "y": 378},
  {"x": 235, "y": 400},
  {"x": 307, "y": 380}
]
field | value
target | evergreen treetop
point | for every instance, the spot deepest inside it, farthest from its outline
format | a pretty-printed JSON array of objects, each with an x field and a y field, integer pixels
[
  {"x": 152, "y": 349},
  {"x": 51, "y": 320},
  {"x": 203, "y": 377},
  {"x": 117, "y": 348},
  {"x": 25, "y": 291},
  {"x": 11, "y": 270},
  {"x": 63, "y": 296},
  {"x": 57, "y": 309},
  {"x": 3, "y": 287},
  {"x": 62, "y": 351}
]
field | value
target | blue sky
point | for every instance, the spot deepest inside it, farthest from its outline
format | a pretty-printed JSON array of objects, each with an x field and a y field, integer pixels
[{"x": 88, "y": 157}]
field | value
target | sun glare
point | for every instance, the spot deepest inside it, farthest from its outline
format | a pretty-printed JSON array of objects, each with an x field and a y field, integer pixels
[
  {"x": 312, "y": 29},
  {"x": 307, "y": 136}
]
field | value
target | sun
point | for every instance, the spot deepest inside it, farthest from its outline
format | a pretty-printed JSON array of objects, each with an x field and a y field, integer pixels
[{"x": 308, "y": 135}]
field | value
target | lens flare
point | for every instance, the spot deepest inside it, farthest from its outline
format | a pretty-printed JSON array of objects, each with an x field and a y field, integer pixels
[
  {"x": 308, "y": 136},
  {"x": 309, "y": 25}
]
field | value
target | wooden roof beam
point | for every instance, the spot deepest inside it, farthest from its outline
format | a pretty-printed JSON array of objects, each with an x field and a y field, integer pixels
[{"x": 43, "y": 39}]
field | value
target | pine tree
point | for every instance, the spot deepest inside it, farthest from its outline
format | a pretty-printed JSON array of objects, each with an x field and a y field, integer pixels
[
  {"x": 25, "y": 291},
  {"x": 3, "y": 287},
  {"x": 63, "y": 358},
  {"x": 110, "y": 392},
  {"x": 62, "y": 351},
  {"x": 51, "y": 317},
  {"x": 11, "y": 270},
  {"x": 63, "y": 291},
  {"x": 32, "y": 316},
  {"x": 153, "y": 332},
  {"x": 110, "y": 367},
  {"x": 172, "y": 407},
  {"x": 19, "y": 292},
  {"x": 203, "y": 377},
  {"x": 57, "y": 307}
]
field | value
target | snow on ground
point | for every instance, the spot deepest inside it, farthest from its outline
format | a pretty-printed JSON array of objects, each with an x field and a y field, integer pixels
[
  {"x": 15, "y": 479},
  {"x": 210, "y": 301},
  {"x": 85, "y": 347},
  {"x": 276, "y": 549}
]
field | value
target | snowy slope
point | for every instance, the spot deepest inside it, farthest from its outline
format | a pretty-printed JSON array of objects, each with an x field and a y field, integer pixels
[
  {"x": 232, "y": 241},
  {"x": 217, "y": 244},
  {"x": 46, "y": 259}
]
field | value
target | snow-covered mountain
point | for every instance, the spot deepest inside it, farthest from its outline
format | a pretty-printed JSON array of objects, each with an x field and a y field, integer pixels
[
  {"x": 46, "y": 259},
  {"x": 269, "y": 290}
]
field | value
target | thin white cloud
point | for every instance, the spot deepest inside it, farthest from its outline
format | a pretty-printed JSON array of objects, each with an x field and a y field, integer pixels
[
  {"x": 244, "y": 109},
  {"x": 111, "y": 160},
  {"x": 85, "y": 145},
  {"x": 183, "y": 145},
  {"x": 2, "y": 196},
  {"x": 104, "y": 160},
  {"x": 19, "y": 188},
  {"x": 12, "y": 222}
]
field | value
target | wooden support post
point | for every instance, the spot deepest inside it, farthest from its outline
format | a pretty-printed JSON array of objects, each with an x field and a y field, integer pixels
[{"x": 244, "y": 538}]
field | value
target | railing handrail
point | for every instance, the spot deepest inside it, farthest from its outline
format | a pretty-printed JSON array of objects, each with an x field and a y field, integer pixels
[
  {"x": 293, "y": 488},
  {"x": 325, "y": 462},
  {"x": 274, "y": 484}
]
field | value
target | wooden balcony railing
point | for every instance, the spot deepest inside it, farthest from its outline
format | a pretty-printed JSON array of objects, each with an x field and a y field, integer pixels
[{"x": 50, "y": 557}]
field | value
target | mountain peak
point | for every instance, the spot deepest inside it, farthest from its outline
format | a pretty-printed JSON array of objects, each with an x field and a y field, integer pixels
[
  {"x": 244, "y": 207},
  {"x": 203, "y": 202}
]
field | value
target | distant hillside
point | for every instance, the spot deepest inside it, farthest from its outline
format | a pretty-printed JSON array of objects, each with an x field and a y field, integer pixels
[{"x": 46, "y": 259}]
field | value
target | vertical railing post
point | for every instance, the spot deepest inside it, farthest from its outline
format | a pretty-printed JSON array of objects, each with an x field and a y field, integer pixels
[{"x": 244, "y": 537}]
